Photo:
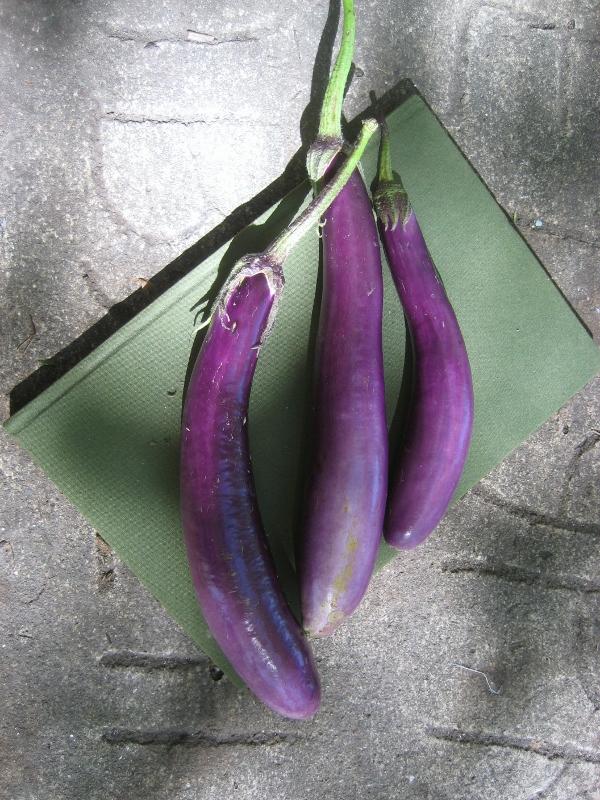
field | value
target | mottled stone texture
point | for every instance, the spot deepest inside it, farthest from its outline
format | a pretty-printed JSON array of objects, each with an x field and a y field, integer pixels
[{"x": 472, "y": 670}]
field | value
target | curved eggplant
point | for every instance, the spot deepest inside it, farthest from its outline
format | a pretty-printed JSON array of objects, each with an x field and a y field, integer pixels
[
  {"x": 231, "y": 566},
  {"x": 439, "y": 418},
  {"x": 232, "y": 569}
]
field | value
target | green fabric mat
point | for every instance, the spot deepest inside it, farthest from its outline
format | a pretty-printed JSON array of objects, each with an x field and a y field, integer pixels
[{"x": 107, "y": 432}]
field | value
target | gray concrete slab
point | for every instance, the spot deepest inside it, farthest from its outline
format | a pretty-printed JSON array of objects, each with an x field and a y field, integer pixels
[{"x": 471, "y": 670}]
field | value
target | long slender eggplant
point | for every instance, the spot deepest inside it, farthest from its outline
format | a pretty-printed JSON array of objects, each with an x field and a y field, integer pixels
[
  {"x": 232, "y": 569},
  {"x": 347, "y": 487},
  {"x": 439, "y": 418}
]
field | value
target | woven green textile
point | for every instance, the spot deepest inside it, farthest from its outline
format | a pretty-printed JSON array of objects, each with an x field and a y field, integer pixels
[{"x": 107, "y": 432}]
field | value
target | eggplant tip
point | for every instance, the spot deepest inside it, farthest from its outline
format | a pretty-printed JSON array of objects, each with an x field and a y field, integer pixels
[
  {"x": 299, "y": 704},
  {"x": 405, "y": 539},
  {"x": 320, "y": 628}
]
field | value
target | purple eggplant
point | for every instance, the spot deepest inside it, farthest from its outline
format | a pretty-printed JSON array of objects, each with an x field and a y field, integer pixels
[
  {"x": 347, "y": 486},
  {"x": 232, "y": 569},
  {"x": 439, "y": 417}
]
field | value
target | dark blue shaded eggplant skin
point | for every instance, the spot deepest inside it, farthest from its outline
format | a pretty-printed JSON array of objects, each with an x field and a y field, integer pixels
[
  {"x": 439, "y": 419},
  {"x": 347, "y": 486},
  {"x": 232, "y": 569}
]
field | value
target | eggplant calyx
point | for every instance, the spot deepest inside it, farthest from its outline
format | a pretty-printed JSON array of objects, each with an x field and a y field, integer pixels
[
  {"x": 391, "y": 203},
  {"x": 321, "y": 155},
  {"x": 389, "y": 195}
]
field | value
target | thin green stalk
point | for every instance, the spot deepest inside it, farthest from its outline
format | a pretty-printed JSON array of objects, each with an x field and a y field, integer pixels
[
  {"x": 330, "y": 123},
  {"x": 384, "y": 168},
  {"x": 281, "y": 247},
  {"x": 330, "y": 139}
]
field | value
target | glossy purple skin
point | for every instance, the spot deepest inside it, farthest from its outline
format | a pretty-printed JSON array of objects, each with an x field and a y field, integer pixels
[
  {"x": 232, "y": 569},
  {"x": 347, "y": 487},
  {"x": 440, "y": 416}
]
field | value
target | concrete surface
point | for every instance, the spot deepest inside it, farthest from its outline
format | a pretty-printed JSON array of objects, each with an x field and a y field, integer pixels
[{"x": 472, "y": 670}]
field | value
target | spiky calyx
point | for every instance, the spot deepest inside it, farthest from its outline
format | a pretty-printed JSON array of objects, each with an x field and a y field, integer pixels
[{"x": 391, "y": 203}]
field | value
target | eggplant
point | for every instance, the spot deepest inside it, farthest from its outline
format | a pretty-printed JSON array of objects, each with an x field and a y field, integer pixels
[
  {"x": 439, "y": 415},
  {"x": 232, "y": 569},
  {"x": 346, "y": 491}
]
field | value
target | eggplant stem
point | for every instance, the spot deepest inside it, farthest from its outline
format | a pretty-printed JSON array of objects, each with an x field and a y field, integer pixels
[
  {"x": 279, "y": 250},
  {"x": 384, "y": 168},
  {"x": 330, "y": 123},
  {"x": 330, "y": 140}
]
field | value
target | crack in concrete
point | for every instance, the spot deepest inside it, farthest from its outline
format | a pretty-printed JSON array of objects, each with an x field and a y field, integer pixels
[
  {"x": 105, "y": 195},
  {"x": 36, "y": 596},
  {"x": 24, "y": 345},
  {"x": 141, "y": 119},
  {"x": 530, "y": 19},
  {"x": 172, "y": 737},
  {"x": 516, "y": 574},
  {"x": 199, "y": 37},
  {"x": 530, "y": 744},
  {"x": 129, "y": 659},
  {"x": 95, "y": 290},
  {"x": 542, "y": 792},
  {"x": 587, "y": 444},
  {"x": 6, "y": 546},
  {"x": 564, "y": 234},
  {"x": 542, "y": 26},
  {"x": 533, "y": 517},
  {"x": 191, "y": 37},
  {"x": 295, "y": 35},
  {"x": 581, "y": 449},
  {"x": 144, "y": 119},
  {"x": 458, "y": 85},
  {"x": 586, "y": 646}
]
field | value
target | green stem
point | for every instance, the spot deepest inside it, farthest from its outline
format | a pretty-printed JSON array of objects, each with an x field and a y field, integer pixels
[
  {"x": 330, "y": 123},
  {"x": 384, "y": 168},
  {"x": 330, "y": 139},
  {"x": 281, "y": 247}
]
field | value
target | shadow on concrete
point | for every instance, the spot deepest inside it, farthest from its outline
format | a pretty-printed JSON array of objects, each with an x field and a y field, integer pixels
[{"x": 233, "y": 226}]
